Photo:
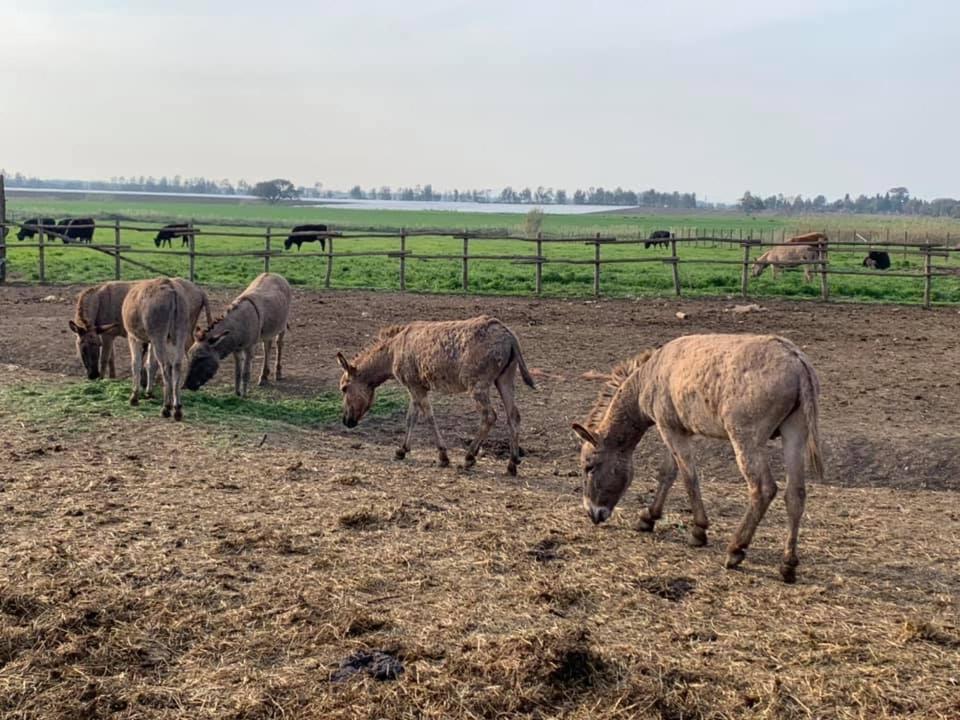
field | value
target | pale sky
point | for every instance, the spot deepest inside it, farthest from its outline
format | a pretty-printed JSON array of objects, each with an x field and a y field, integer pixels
[{"x": 691, "y": 95}]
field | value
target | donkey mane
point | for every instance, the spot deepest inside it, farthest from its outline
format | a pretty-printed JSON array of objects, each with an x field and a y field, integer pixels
[
  {"x": 218, "y": 319},
  {"x": 385, "y": 333},
  {"x": 81, "y": 299},
  {"x": 617, "y": 377}
]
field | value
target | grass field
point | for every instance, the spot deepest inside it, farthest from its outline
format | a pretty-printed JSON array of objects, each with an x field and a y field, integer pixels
[{"x": 486, "y": 277}]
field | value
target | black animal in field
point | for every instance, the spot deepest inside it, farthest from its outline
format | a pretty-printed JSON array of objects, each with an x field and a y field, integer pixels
[
  {"x": 167, "y": 233},
  {"x": 29, "y": 227},
  {"x": 76, "y": 230},
  {"x": 877, "y": 259},
  {"x": 306, "y": 233},
  {"x": 658, "y": 237}
]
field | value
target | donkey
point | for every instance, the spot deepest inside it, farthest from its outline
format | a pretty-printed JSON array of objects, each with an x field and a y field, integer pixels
[
  {"x": 812, "y": 238},
  {"x": 157, "y": 313},
  {"x": 783, "y": 256},
  {"x": 743, "y": 388},
  {"x": 99, "y": 307},
  {"x": 457, "y": 356},
  {"x": 258, "y": 315}
]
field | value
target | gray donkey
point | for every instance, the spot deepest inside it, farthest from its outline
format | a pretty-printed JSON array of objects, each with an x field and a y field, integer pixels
[
  {"x": 457, "y": 356},
  {"x": 258, "y": 315}
]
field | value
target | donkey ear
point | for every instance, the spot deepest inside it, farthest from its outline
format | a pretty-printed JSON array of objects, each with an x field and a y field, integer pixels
[
  {"x": 112, "y": 327},
  {"x": 585, "y": 435},
  {"x": 345, "y": 364},
  {"x": 76, "y": 328}
]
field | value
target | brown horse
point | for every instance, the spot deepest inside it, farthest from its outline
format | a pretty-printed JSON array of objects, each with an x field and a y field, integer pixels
[
  {"x": 783, "y": 256},
  {"x": 743, "y": 388},
  {"x": 458, "y": 356}
]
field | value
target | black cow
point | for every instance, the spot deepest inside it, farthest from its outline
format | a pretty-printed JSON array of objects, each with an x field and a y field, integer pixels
[
  {"x": 658, "y": 237},
  {"x": 168, "y": 232},
  {"x": 877, "y": 259},
  {"x": 76, "y": 230},
  {"x": 29, "y": 227},
  {"x": 296, "y": 238}
]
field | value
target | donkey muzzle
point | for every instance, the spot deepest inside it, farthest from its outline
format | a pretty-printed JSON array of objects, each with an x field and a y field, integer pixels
[
  {"x": 349, "y": 421},
  {"x": 598, "y": 514}
]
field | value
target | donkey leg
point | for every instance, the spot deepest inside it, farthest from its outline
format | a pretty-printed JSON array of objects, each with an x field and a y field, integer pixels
[
  {"x": 277, "y": 371},
  {"x": 681, "y": 446},
  {"x": 413, "y": 412},
  {"x": 247, "y": 368},
  {"x": 487, "y": 419},
  {"x": 752, "y": 460},
  {"x": 153, "y": 364},
  {"x": 106, "y": 356},
  {"x": 507, "y": 392},
  {"x": 237, "y": 371},
  {"x": 426, "y": 409},
  {"x": 666, "y": 474},
  {"x": 166, "y": 373},
  {"x": 794, "y": 434},
  {"x": 176, "y": 375},
  {"x": 265, "y": 373},
  {"x": 136, "y": 367}
]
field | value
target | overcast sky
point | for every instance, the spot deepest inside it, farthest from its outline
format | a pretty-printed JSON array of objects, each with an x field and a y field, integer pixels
[{"x": 693, "y": 95}]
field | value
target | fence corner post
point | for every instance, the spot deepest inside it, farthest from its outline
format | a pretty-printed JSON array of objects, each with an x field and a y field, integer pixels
[
  {"x": 466, "y": 259},
  {"x": 266, "y": 250},
  {"x": 42, "y": 258},
  {"x": 539, "y": 274},
  {"x": 674, "y": 262},
  {"x": 326, "y": 279},
  {"x": 192, "y": 247},
  {"x": 596, "y": 266},
  {"x": 116, "y": 249},
  {"x": 745, "y": 272},
  {"x": 824, "y": 275},
  {"x": 927, "y": 276},
  {"x": 403, "y": 259}
]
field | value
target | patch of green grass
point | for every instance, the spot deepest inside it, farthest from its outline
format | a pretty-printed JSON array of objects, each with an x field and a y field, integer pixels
[{"x": 82, "y": 405}]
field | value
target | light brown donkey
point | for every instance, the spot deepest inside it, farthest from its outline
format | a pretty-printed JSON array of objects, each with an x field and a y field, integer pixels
[
  {"x": 783, "y": 256},
  {"x": 99, "y": 307},
  {"x": 157, "y": 312},
  {"x": 744, "y": 388},
  {"x": 457, "y": 356}
]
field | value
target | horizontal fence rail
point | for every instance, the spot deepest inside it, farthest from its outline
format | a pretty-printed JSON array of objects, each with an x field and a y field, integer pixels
[{"x": 751, "y": 244}]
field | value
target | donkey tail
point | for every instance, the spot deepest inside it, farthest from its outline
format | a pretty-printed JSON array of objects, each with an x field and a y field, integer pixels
[
  {"x": 810, "y": 405},
  {"x": 524, "y": 372}
]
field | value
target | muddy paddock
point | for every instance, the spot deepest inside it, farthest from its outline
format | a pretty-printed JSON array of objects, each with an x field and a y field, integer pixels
[{"x": 156, "y": 569}]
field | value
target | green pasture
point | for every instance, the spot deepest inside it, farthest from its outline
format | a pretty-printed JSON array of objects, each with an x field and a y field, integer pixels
[{"x": 507, "y": 277}]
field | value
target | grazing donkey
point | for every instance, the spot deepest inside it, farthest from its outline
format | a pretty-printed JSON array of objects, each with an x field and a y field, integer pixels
[
  {"x": 258, "y": 315},
  {"x": 157, "y": 313},
  {"x": 97, "y": 308},
  {"x": 744, "y": 388},
  {"x": 458, "y": 356},
  {"x": 783, "y": 256}
]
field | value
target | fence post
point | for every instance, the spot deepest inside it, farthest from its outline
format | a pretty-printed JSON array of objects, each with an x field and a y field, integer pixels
[
  {"x": 596, "y": 266},
  {"x": 326, "y": 279},
  {"x": 745, "y": 274},
  {"x": 403, "y": 258},
  {"x": 3, "y": 233},
  {"x": 116, "y": 249},
  {"x": 41, "y": 254},
  {"x": 192, "y": 246},
  {"x": 466, "y": 269},
  {"x": 926, "y": 275},
  {"x": 824, "y": 277},
  {"x": 676, "y": 269},
  {"x": 539, "y": 283},
  {"x": 266, "y": 250}
]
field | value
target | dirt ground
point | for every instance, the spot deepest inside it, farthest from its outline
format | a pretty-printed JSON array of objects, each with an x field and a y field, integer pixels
[{"x": 153, "y": 569}]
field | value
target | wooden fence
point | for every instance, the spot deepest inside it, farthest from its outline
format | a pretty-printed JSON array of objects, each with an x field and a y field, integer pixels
[{"x": 466, "y": 243}]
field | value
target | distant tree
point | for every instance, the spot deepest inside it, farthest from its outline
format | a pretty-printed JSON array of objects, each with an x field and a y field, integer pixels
[
  {"x": 579, "y": 197},
  {"x": 526, "y": 195},
  {"x": 356, "y": 192},
  {"x": 273, "y": 191},
  {"x": 507, "y": 195},
  {"x": 560, "y": 197},
  {"x": 385, "y": 193}
]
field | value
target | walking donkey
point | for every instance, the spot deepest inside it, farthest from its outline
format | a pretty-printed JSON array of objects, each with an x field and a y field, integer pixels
[
  {"x": 258, "y": 315},
  {"x": 156, "y": 314},
  {"x": 457, "y": 356},
  {"x": 745, "y": 388},
  {"x": 98, "y": 322}
]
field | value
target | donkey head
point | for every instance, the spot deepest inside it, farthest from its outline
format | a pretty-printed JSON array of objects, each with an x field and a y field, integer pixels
[
  {"x": 88, "y": 348},
  {"x": 357, "y": 393},
  {"x": 607, "y": 473},
  {"x": 204, "y": 360}
]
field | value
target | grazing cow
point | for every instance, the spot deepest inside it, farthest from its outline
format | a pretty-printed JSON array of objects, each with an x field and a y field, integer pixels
[
  {"x": 156, "y": 313},
  {"x": 877, "y": 259},
  {"x": 31, "y": 227},
  {"x": 458, "y": 356},
  {"x": 166, "y": 234},
  {"x": 98, "y": 308},
  {"x": 76, "y": 230},
  {"x": 306, "y": 233},
  {"x": 787, "y": 256},
  {"x": 658, "y": 237},
  {"x": 813, "y": 238},
  {"x": 743, "y": 388},
  {"x": 258, "y": 315}
]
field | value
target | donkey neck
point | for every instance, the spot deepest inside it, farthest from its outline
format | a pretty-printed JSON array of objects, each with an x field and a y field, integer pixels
[
  {"x": 624, "y": 423},
  {"x": 242, "y": 324},
  {"x": 376, "y": 366}
]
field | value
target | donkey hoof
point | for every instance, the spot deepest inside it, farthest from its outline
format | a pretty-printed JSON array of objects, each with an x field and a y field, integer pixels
[
  {"x": 645, "y": 523},
  {"x": 698, "y": 536},
  {"x": 469, "y": 461},
  {"x": 166, "y": 411},
  {"x": 134, "y": 400},
  {"x": 512, "y": 468},
  {"x": 400, "y": 454},
  {"x": 178, "y": 413},
  {"x": 263, "y": 381},
  {"x": 734, "y": 558},
  {"x": 788, "y": 573},
  {"x": 444, "y": 460}
]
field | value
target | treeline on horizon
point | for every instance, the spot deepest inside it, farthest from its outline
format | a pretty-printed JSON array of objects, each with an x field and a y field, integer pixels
[{"x": 895, "y": 201}]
